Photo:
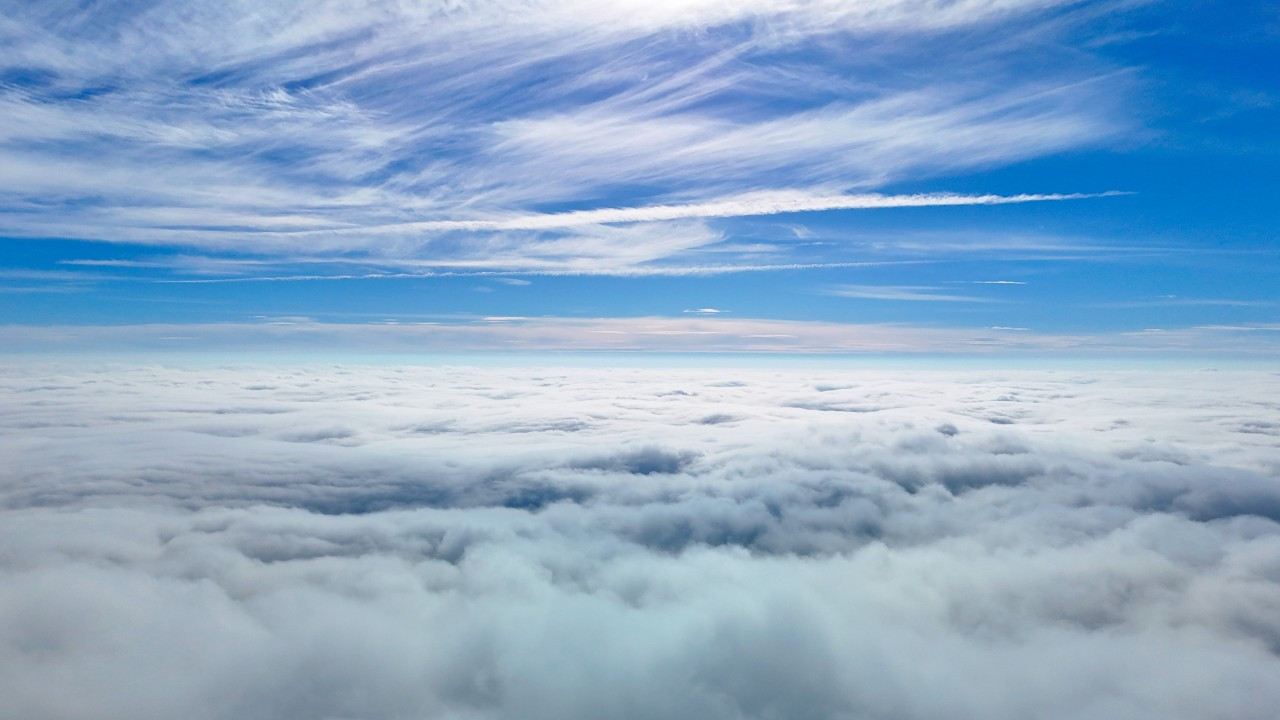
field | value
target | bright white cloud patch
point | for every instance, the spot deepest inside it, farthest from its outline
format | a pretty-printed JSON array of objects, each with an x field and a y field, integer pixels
[{"x": 382, "y": 542}]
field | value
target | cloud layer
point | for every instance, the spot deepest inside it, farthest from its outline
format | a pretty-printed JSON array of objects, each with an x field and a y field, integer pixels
[
  {"x": 386, "y": 542},
  {"x": 447, "y": 132}
]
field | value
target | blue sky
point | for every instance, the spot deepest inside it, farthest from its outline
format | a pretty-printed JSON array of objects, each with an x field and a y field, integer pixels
[{"x": 883, "y": 176}]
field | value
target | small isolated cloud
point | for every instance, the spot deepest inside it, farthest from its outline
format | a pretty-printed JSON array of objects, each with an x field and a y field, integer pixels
[
  {"x": 800, "y": 232},
  {"x": 284, "y": 319},
  {"x": 706, "y": 311}
]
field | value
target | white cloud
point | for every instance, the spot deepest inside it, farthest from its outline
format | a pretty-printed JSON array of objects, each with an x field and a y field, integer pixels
[
  {"x": 420, "y": 130},
  {"x": 1175, "y": 301},
  {"x": 589, "y": 265},
  {"x": 899, "y": 292},
  {"x": 867, "y": 143},
  {"x": 1240, "y": 328},
  {"x": 399, "y": 541},
  {"x": 763, "y": 203}
]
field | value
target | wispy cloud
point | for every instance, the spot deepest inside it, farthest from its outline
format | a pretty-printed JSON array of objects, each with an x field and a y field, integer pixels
[
  {"x": 914, "y": 293},
  {"x": 547, "y": 269},
  {"x": 1175, "y": 301},
  {"x": 765, "y": 203},
  {"x": 1260, "y": 327},
  {"x": 433, "y": 133}
]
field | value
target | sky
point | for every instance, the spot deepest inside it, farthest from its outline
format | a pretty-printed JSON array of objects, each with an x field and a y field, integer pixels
[
  {"x": 714, "y": 359},
  {"x": 887, "y": 176}
]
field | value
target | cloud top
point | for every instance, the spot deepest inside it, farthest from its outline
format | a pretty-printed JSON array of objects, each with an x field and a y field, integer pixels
[{"x": 385, "y": 542}]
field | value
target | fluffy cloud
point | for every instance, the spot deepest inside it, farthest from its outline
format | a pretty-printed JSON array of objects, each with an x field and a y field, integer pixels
[{"x": 387, "y": 542}]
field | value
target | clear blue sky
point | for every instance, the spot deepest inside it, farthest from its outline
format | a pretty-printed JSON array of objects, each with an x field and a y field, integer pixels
[{"x": 882, "y": 176}]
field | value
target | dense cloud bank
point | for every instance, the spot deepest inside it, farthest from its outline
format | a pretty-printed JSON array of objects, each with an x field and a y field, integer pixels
[{"x": 373, "y": 542}]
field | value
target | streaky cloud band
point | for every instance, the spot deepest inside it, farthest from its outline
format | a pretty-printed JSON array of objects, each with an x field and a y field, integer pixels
[
  {"x": 645, "y": 271},
  {"x": 771, "y": 203}
]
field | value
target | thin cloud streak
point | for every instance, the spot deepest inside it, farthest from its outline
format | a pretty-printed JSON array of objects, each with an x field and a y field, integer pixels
[
  {"x": 913, "y": 293},
  {"x": 757, "y": 204},
  {"x": 640, "y": 271},
  {"x": 1174, "y": 301}
]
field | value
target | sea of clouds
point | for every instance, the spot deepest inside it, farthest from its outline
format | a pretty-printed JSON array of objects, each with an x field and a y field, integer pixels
[{"x": 436, "y": 542}]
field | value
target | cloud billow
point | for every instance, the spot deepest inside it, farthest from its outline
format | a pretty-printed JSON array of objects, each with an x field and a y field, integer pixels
[{"x": 383, "y": 542}]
